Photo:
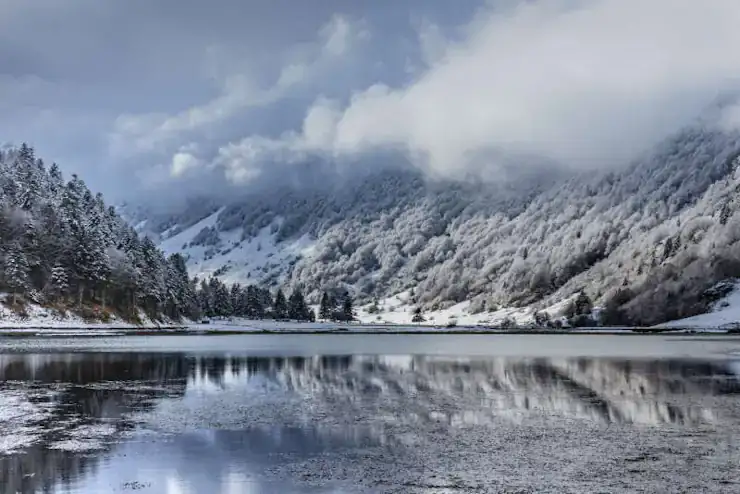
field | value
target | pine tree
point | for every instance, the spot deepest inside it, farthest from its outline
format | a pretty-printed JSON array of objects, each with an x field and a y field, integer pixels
[
  {"x": 583, "y": 305},
  {"x": 579, "y": 311},
  {"x": 280, "y": 309},
  {"x": 236, "y": 299},
  {"x": 418, "y": 316},
  {"x": 205, "y": 299},
  {"x": 297, "y": 308},
  {"x": 59, "y": 282},
  {"x": 265, "y": 298},
  {"x": 255, "y": 308},
  {"x": 348, "y": 312},
  {"x": 180, "y": 296},
  {"x": 16, "y": 271},
  {"x": 61, "y": 239},
  {"x": 326, "y": 311},
  {"x": 56, "y": 180},
  {"x": 152, "y": 276},
  {"x": 221, "y": 298}
]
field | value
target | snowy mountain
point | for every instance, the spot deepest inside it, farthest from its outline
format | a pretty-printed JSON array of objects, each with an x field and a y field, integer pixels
[{"x": 645, "y": 241}]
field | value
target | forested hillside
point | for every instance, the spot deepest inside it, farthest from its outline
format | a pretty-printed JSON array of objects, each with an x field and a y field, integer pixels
[
  {"x": 646, "y": 240},
  {"x": 61, "y": 246}
]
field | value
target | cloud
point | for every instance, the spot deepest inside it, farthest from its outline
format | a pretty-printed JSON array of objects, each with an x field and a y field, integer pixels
[
  {"x": 113, "y": 90},
  {"x": 182, "y": 162},
  {"x": 119, "y": 92},
  {"x": 337, "y": 36},
  {"x": 142, "y": 133},
  {"x": 584, "y": 83}
]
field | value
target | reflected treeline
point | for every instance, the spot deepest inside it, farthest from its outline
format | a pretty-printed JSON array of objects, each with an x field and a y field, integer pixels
[
  {"x": 604, "y": 390},
  {"x": 88, "y": 389}
]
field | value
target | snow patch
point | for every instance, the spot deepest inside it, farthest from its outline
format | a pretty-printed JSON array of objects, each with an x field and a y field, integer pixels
[
  {"x": 236, "y": 257},
  {"x": 399, "y": 309},
  {"x": 725, "y": 314}
]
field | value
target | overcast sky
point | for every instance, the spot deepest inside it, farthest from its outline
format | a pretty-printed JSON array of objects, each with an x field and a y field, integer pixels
[{"x": 173, "y": 94}]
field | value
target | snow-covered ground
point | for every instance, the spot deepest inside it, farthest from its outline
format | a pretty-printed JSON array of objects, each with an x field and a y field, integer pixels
[
  {"x": 724, "y": 315},
  {"x": 393, "y": 314},
  {"x": 251, "y": 260},
  {"x": 399, "y": 309},
  {"x": 38, "y": 317}
]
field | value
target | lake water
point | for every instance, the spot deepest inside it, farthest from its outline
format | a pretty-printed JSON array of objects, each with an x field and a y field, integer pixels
[{"x": 370, "y": 413}]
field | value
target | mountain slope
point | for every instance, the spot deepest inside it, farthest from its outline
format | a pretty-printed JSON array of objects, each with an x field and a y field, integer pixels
[
  {"x": 645, "y": 241},
  {"x": 63, "y": 248}
]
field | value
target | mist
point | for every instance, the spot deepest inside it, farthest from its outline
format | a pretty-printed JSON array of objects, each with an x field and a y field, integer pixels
[{"x": 586, "y": 85}]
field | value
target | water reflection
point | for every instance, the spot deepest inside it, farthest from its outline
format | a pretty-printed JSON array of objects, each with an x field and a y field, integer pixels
[
  {"x": 61, "y": 415},
  {"x": 604, "y": 390}
]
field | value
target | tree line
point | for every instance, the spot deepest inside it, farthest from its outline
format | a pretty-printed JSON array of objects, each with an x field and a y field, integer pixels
[{"x": 216, "y": 299}]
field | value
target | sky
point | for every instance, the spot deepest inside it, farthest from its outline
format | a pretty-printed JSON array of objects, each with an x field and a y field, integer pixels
[{"x": 147, "y": 97}]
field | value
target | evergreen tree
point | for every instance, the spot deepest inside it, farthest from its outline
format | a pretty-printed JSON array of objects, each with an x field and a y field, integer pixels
[
  {"x": 326, "y": 311},
  {"x": 16, "y": 271},
  {"x": 297, "y": 308},
  {"x": 579, "y": 311},
  {"x": 255, "y": 308},
  {"x": 181, "y": 298},
  {"x": 152, "y": 276},
  {"x": 280, "y": 309},
  {"x": 236, "y": 299},
  {"x": 61, "y": 239},
  {"x": 348, "y": 312},
  {"x": 59, "y": 283},
  {"x": 221, "y": 298},
  {"x": 205, "y": 299},
  {"x": 583, "y": 304},
  {"x": 418, "y": 316},
  {"x": 266, "y": 300}
]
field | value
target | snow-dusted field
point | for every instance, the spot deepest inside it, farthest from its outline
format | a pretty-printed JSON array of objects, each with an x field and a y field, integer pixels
[
  {"x": 399, "y": 310},
  {"x": 393, "y": 314}
]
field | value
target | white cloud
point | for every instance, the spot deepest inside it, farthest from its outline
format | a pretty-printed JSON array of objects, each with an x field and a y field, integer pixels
[
  {"x": 585, "y": 83},
  {"x": 182, "y": 162}
]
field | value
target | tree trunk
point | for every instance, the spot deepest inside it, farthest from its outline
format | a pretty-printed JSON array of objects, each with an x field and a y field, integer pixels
[
  {"x": 80, "y": 291},
  {"x": 103, "y": 298}
]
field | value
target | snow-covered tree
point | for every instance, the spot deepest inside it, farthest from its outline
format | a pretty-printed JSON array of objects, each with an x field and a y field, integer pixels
[
  {"x": 16, "y": 271},
  {"x": 59, "y": 282},
  {"x": 418, "y": 316}
]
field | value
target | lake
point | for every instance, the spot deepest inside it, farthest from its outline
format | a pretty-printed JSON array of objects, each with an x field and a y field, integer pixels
[{"x": 352, "y": 413}]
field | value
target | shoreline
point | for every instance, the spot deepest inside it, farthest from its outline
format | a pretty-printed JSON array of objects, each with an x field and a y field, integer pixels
[{"x": 202, "y": 330}]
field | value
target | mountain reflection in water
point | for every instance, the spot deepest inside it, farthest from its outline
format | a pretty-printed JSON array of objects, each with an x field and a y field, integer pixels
[{"x": 61, "y": 415}]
